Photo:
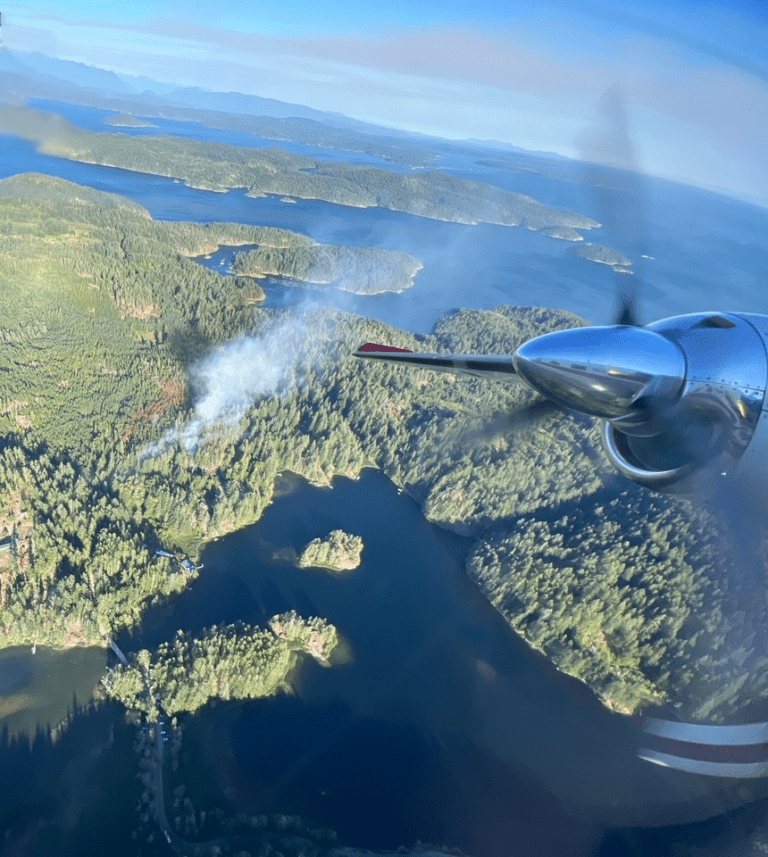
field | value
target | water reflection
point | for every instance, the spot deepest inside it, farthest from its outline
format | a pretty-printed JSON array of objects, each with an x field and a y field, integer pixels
[
  {"x": 72, "y": 796},
  {"x": 37, "y": 690},
  {"x": 15, "y": 672}
]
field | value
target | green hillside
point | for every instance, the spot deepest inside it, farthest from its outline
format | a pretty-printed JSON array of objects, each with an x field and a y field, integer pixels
[{"x": 106, "y": 321}]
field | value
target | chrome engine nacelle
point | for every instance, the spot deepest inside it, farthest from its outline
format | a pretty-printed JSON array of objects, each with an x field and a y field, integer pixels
[{"x": 720, "y": 410}]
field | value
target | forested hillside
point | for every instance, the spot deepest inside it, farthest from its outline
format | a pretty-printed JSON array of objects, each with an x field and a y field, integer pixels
[
  {"x": 362, "y": 270},
  {"x": 106, "y": 321}
]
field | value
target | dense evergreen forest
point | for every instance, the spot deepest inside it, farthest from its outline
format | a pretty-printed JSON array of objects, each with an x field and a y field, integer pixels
[
  {"x": 219, "y": 167},
  {"x": 362, "y": 270},
  {"x": 232, "y": 662},
  {"x": 338, "y": 552},
  {"x": 106, "y": 318}
]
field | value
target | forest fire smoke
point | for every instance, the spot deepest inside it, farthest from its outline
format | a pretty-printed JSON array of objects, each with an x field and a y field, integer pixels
[{"x": 235, "y": 375}]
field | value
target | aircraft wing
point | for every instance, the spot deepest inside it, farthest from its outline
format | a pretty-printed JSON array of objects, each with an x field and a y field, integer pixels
[{"x": 498, "y": 367}]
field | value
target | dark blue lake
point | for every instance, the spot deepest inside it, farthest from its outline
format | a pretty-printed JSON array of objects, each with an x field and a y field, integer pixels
[{"x": 435, "y": 722}]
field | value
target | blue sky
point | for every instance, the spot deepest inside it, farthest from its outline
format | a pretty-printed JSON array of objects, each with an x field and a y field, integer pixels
[{"x": 694, "y": 74}]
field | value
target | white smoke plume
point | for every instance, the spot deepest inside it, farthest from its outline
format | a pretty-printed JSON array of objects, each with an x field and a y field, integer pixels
[{"x": 234, "y": 376}]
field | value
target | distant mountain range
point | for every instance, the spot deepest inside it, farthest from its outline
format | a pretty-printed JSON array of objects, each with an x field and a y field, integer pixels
[
  {"x": 61, "y": 70},
  {"x": 25, "y": 77},
  {"x": 36, "y": 75}
]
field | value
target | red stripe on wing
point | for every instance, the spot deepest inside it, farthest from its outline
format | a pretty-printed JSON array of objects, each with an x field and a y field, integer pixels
[{"x": 371, "y": 346}]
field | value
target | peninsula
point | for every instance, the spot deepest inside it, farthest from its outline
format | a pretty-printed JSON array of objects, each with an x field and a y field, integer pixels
[
  {"x": 231, "y": 662},
  {"x": 362, "y": 270},
  {"x": 219, "y": 167},
  {"x": 106, "y": 318}
]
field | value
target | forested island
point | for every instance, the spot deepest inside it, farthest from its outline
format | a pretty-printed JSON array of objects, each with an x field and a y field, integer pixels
[
  {"x": 604, "y": 256},
  {"x": 338, "y": 552},
  {"x": 220, "y": 167},
  {"x": 106, "y": 316},
  {"x": 361, "y": 270}
]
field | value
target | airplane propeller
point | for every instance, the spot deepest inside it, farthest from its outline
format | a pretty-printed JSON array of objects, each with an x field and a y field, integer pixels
[
  {"x": 678, "y": 417},
  {"x": 618, "y": 197}
]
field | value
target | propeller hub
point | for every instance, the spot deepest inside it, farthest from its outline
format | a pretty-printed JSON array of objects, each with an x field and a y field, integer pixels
[{"x": 607, "y": 372}]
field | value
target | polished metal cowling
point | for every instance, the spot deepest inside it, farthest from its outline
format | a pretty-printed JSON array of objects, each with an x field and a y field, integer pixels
[
  {"x": 602, "y": 371},
  {"x": 701, "y": 438},
  {"x": 682, "y": 398}
]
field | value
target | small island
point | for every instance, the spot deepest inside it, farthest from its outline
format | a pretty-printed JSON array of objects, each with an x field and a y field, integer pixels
[
  {"x": 128, "y": 120},
  {"x": 338, "y": 552},
  {"x": 605, "y": 256}
]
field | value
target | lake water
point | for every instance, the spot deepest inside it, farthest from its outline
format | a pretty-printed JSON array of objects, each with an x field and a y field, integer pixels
[
  {"x": 436, "y": 723},
  {"x": 42, "y": 688},
  {"x": 441, "y": 725}
]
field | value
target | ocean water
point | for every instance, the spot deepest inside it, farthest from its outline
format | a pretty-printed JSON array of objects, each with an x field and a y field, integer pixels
[{"x": 706, "y": 251}]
